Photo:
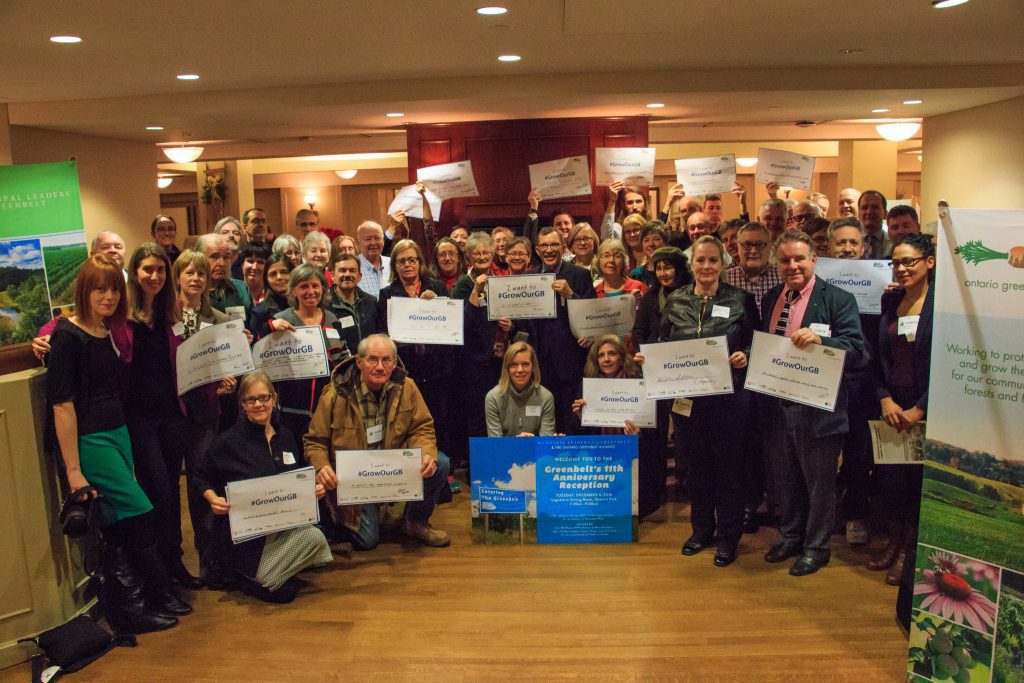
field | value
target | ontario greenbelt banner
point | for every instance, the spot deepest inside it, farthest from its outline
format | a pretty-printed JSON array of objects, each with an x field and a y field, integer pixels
[
  {"x": 42, "y": 245},
  {"x": 968, "y": 618}
]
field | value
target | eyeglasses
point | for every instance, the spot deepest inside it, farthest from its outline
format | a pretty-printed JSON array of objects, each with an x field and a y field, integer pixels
[
  {"x": 549, "y": 247},
  {"x": 517, "y": 254},
  {"x": 253, "y": 400},
  {"x": 753, "y": 245},
  {"x": 373, "y": 361},
  {"x": 166, "y": 228},
  {"x": 304, "y": 224},
  {"x": 632, "y": 232},
  {"x": 908, "y": 262},
  {"x": 412, "y": 260},
  {"x": 583, "y": 239},
  {"x": 259, "y": 221}
]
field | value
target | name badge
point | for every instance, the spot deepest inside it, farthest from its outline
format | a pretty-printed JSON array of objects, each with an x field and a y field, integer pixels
[
  {"x": 719, "y": 311},
  {"x": 288, "y": 458},
  {"x": 375, "y": 434},
  {"x": 821, "y": 329},
  {"x": 907, "y": 326},
  {"x": 347, "y": 322},
  {"x": 332, "y": 333},
  {"x": 532, "y": 411},
  {"x": 235, "y": 312},
  {"x": 682, "y": 406}
]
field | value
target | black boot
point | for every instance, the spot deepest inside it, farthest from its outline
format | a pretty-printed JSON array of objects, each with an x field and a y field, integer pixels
[
  {"x": 160, "y": 598},
  {"x": 122, "y": 596}
]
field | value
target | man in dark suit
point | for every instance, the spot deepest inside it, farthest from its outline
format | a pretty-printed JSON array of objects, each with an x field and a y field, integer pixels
[
  {"x": 804, "y": 442},
  {"x": 561, "y": 356}
]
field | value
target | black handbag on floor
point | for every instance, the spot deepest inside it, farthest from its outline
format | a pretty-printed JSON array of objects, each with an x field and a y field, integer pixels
[{"x": 73, "y": 646}]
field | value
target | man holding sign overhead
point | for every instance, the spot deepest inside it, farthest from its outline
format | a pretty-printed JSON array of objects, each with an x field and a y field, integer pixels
[
  {"x": 371, "y": 403},
  {"x": 804, "y": 441}
]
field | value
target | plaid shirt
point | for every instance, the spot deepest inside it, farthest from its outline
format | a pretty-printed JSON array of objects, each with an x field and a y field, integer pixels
[
  {"x": 738, "y": 277},
  {"x": 373, "y": 408},
  {"x": 374, "y": 280}
]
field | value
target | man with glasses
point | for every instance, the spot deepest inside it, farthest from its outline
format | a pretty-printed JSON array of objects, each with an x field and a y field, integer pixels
[
  {"x": 371, "y": 404},
  {"x": 752, "y": 272},
  {"x": 697, "y": 225},
  {"x": 164, "y": 231},
  {"x": 561, "y": 220},
  {"x": 560, "y": 355},
  {"x": 255, "y": 225},
  {"x": 803, "y": 212},
  {"x": 307, "y": 221}
]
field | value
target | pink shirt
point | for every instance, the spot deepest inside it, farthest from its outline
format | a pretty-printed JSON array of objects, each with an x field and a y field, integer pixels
[{"x": 796, "y": 309}]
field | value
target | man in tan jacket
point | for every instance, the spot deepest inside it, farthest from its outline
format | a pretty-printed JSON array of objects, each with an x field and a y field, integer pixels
[{"x": 372, "y": 404}]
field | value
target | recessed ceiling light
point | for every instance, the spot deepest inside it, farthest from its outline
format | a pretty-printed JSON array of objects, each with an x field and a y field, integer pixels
[
  {"x": 943, "y": 4},
  {"x": 154, "y": 127},
  {"x": 509, "y": 58},
  {"x": 912, "y": 101},
  {"x": 879, "y": 111},
  {"x": 851, "y": 51},
  {"x": 67, "y": 40},
  {"x": 188, "y": 77},
  {"x": 655, "y": 105},
  {"x": 491, "y": 11},
  {"x": 394, "y": 115}
]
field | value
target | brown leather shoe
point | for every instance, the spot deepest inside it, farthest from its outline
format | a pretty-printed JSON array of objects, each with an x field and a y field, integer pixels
[
  {"x": 895, "y": 573},
  {"x": 885, "y": 559}
]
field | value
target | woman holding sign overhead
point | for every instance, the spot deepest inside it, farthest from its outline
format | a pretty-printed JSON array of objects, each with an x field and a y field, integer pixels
[
  {"x": 257, "y": 447},
  {"x": 902, "y": 363},
  {"x": 308, "y": 296},
  {"x": 710, "y": 437}
]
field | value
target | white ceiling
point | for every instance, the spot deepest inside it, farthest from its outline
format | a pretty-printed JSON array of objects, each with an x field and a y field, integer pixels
[{"x": 275, "y": 72}]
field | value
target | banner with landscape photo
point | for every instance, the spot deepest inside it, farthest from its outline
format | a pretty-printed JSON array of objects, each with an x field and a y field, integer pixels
[{"x": 42, "y": 246}]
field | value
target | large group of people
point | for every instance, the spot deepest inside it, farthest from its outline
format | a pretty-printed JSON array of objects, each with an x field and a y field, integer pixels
[{"x": 741, "y": 458}]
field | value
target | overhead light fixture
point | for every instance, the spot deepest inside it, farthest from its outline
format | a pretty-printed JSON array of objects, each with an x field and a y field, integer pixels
[
  {"x": 746, "y": 162},
  {"x": 943, "y": 4},
  {"x": 183, "y": 155},
  {"x": 920, "y": 157},
  {"x": 509, "y": 58},
  {"x": 879, "y": 111},
  {"x": 164, "y": 181},
  {"x": 347, "y": 174},
  {"x": 491, "y": 11},
  {"x": 897, "y": 132},
  {"x": 656, "y": 105},
  {"x": 188, "y": 77},
  {"x": 912, "y": 101},
  {"x": 65, "y": 40},
  {"x": 310, "y": 199},
  {"x": 394, "y": 115},
  {"x": 154, "y": 127}
]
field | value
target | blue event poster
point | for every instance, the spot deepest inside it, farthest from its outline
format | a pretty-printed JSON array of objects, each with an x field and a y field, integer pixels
[{"x": 585, "y": 489}]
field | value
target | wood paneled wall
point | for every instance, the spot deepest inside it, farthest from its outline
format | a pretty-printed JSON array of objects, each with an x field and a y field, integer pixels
[{"x": 501, "y": 151}]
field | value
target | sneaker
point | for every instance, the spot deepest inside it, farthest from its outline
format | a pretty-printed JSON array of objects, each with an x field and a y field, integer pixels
[
  {"x": 856, "y": 532},
  {"x": 426, "y": 534},
  {"x": 454, "y": 484}
]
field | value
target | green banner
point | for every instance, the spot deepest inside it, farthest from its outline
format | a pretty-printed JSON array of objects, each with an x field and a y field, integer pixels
[{"x": 42, "y": 245}]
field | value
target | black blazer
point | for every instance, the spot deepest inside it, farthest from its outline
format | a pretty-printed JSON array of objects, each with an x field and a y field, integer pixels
[
  {"x": 422, "y": 361},
  {"x": 836, "y": 308},
  {"x": 558, "y": 350},
  {"x": 882, "y": 362}
]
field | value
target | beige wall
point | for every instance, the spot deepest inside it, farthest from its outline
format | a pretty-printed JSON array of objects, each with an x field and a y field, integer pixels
[
  {"x": 974, "y": 158},
  {"x": 117, "y": 178}
]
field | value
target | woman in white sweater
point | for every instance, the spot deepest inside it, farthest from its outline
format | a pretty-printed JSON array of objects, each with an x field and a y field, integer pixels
[{"x": 519, "y": 405}]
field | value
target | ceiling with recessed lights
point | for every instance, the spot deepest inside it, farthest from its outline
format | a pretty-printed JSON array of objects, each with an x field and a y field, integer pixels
[{"x": 272, "y": 74}]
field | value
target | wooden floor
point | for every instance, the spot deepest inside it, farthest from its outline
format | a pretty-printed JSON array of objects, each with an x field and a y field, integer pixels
[{"x": 534, "y": 613}]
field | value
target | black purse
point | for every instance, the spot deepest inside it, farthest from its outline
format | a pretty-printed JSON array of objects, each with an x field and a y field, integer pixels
[
  {"x": 73, "y": 646},
  {"x": 77, "y": 513}
]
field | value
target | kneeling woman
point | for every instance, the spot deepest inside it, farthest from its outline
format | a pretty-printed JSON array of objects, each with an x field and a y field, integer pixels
[
  {"x": 519, "y": 405},
  {"x": 256, "y": 447}
]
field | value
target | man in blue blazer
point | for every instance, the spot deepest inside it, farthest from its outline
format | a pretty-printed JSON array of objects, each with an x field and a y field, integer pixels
[{"x": 804, "y": 442}]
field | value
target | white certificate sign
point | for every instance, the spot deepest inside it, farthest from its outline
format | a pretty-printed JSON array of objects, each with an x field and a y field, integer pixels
[
  {"x": 695, "y": 367},
  {"x": 298, "y": 354},
  {"x": 866, "y": 280},
  {"x": 788, "y": 169},
  {"x": 520, "y": 297},
  {"x": 893, "y": 447},
  {"x": 810, "y": 376},
  {"x": 606, "y": 315},
  {"x": 707, "y": 175},
  {"x": 610, "y": 402},
  {"x": 448, "y": 181},
  {"x": 264, "y": 505},
  {"x": 425, "y": 321},
  {"x": 631, "y": 165},
  {"x": 213, "y": 353},
  {"x": 410, "y": 202},
  {"x": 379, "y": 476},
  {"x": 569, "y": 177}
]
